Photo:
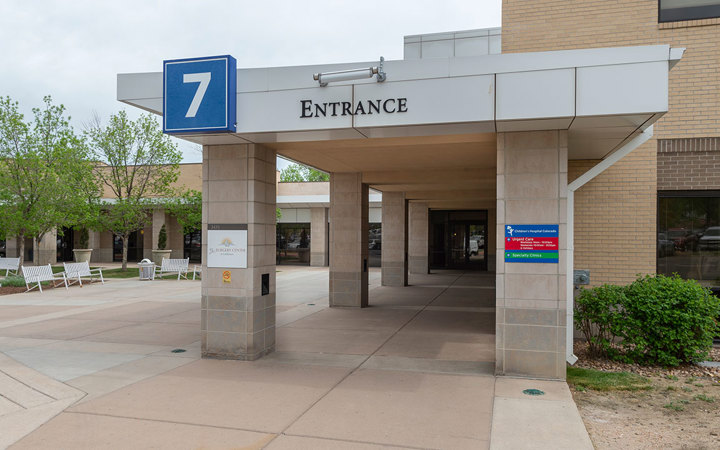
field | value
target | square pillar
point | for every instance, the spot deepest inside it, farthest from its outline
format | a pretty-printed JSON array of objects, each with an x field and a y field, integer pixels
[
  {"x": 11, "y": 247},
  {"x": 394, "y": 256},
  {"x": 238, "y": 319},
  {"x": 47, "y": 249},
  {"x": 348, "y": 240},
  {"x": 530, "y": 297},
  {"x": 158, "y": 220},
  {"x": 418, "y": 238},
  {"x": 319, "y": 237}
]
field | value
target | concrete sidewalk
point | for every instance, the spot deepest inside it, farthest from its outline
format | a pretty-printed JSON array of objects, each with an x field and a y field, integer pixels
[{"x": 412, "y": 371}]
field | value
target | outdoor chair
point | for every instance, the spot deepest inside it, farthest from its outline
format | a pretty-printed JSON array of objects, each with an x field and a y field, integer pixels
[
  {"x": 10, "y": 265},
  {"x": 38, "y": 274},
  {"x": 78, "y": 271},
  {"x": 179, "y": 266}
]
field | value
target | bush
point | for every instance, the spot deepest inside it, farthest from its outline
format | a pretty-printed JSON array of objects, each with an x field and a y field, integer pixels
[
  {"x": 668, "y": 321},
  {"x": 162, "y": 238},
  {"x": 596, "y": 313},
  {"x": 654, "y": 320},
  {"x": 12, "y": 281}
]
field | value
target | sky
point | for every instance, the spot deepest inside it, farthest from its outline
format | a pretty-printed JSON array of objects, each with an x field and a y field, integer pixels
[{"x": 73, "y": 50}]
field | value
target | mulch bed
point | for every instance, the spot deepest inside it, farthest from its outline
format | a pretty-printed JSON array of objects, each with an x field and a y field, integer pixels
[
  {"x": 7, "y": 290},
  {"x": 685, "y": 370}
]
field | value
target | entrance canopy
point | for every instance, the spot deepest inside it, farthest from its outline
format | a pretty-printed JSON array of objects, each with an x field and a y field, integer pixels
[
  {"x": 429, "y": 129},
  {"x": 602, "y": 96}
]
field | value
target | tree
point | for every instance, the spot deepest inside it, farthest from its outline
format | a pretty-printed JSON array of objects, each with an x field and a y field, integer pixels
[
  {"x": 297, "y": 173},
  {"x": 141, "y": 166},
  {"x": 46, "y": 178},
  {"x": 186, "y": 206}
]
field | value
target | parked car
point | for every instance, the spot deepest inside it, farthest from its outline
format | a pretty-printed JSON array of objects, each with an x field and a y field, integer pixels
[
  {"x": 683, "y": 238},
  {"x": 665, "y": 247},
  {"x": 710, "y": 239}
]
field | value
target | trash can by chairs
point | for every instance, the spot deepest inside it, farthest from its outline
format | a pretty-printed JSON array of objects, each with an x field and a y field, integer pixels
[{"x": 146, "y": 270}]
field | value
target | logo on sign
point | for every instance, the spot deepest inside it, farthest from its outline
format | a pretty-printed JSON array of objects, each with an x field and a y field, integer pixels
[{"x": 199, "y": 95}]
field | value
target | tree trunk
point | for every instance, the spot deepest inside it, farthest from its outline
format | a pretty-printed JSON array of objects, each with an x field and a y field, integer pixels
[
  {"x": 125, "y": 250},
  {"x": 36, "y": 258},
  {"x": 21, "y": 248}
]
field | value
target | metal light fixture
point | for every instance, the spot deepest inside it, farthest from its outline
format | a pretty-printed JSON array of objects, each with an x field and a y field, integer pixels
[{"x": 353, "y": 74}]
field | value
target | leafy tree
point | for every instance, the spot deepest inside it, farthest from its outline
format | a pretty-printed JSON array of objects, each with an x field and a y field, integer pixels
[
  {"x": 141, "y": 166},
  {"x": 186, "y": 206},
  {"x": 46, "y": 177},
  {"x": 296, "y": 173}
]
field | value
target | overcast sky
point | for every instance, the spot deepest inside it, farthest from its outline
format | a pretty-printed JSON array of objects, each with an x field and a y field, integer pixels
[{"x": 73, "y": 49}]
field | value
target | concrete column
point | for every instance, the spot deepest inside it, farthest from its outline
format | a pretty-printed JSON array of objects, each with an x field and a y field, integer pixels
[
  {"x": 11, "y": 247},
  {"x": 348, "y": 240},
  {"x": 531, "y": 189},
  {"x": 47, "y": 249},
  {"x": 418, "y": 240},
  {"x": 94, "y": 243},
  {"x": 394, "y": 256},
  {"x": 319, "y": 237},
  {"x": 237, "y": 320},
  {"x": 158, "y": 220}
]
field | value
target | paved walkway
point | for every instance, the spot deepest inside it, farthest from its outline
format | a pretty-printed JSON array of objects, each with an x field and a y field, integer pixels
[{"x": 412, "y": 371}]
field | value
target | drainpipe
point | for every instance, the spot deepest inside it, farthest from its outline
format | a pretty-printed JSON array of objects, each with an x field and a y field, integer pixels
[{"x": 616, "y": 156}]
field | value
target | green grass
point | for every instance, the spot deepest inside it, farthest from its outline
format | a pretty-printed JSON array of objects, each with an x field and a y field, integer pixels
[
  {"x": 705, "y": 398},
  {"x": 674, "y": 406},
  {"x": 606, "y": 381},
  {"x": 131, "y": 272}
]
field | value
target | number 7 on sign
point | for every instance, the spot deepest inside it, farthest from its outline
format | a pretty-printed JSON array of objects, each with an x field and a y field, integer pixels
[{"x": 204, "y": 79}]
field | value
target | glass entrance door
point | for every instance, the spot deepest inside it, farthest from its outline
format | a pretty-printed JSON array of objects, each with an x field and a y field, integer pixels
[{"x": 467, "y": 245}]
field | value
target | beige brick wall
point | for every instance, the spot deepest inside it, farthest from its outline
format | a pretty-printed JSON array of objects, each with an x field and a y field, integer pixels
[
  {"x": 615, "y": 214},
  {"x": 686, "y": 164}
]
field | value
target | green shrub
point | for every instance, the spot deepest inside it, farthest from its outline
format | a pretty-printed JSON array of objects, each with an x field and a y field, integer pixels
[
  {"x": 596, "y": 313},
  {"x": 667, "y": 321},
  {"x": 654, "y": 320},
  {"x": 12, "y": 281},
  {"x": 162, "y": 238}
]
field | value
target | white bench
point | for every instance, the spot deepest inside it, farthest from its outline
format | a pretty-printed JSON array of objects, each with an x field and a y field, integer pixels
[
  {"x": 10, "y": 265},
  {"x": 197, "y": 270},
  {"x": 38, "y": 274},
  {"x": 82, "y": 270},
  {"x": 179, "y": 266}
]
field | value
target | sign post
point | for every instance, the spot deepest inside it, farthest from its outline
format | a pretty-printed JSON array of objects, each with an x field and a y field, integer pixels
[{"x": 531, "y": 243}]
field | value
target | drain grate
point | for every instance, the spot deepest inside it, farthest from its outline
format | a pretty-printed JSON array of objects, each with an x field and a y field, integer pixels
[
  {"x": 533, "y": 392},
  {"x": 311, "y": 304},
  {"x": 178, "y": 350}
]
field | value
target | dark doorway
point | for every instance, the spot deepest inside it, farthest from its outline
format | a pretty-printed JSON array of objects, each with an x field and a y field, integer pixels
[
  {"x": 65, "y": 245},
  {"x": 192, "y": 246},
  {"x": 458, "y": 240},
  {"x": 293, "y": 244},
  {"x": 135, "y": 247}
]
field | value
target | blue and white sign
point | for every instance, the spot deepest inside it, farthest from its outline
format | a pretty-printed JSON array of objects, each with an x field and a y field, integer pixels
[{"x": 200, "y": 95}]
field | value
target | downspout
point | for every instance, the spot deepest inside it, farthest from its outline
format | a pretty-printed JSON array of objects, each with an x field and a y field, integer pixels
[{"x": 616, "y": 156}]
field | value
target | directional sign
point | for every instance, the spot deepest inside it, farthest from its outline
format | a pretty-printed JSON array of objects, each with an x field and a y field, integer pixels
[
  {"x": 200, "y": 95},
  {"x": 531, "y": 243}
]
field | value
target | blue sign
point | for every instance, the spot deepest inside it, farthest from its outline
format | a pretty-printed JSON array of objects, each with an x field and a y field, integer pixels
[
  {"x": 532, "y": 243},
  {"x": 200, "y": 95}
]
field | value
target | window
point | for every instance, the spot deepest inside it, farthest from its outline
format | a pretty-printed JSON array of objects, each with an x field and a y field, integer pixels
[
  {"x": 688, "y": 240},
  {"x": 192, "y": 246},
  {"x": 293, "y": 243},
  {"x": 676, "y": 10}
]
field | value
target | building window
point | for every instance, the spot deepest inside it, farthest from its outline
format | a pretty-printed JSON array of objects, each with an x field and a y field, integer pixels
[
  {"x": 688, "y": 241},
  {"x": 375, "y": 245},
  {"x": 192, "y": 246},
  {"x": 293, "y": 243},
  {"x": 676, "y": 10}
]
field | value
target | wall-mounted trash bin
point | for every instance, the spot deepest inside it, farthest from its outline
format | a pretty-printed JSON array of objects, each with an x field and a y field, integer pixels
[{"x": 146, "y": 270}]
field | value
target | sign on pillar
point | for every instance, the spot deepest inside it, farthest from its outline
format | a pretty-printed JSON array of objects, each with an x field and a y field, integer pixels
[
  {"x": 227, "y": 247},
  {"x": 531, "y": 243},
  {"x": 200, "y": 95}
]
